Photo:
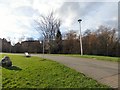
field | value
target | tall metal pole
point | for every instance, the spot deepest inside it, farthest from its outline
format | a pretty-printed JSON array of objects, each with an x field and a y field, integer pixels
[
  {"x": 80, "y": 38},
  {"x": 43, "y": 47}
]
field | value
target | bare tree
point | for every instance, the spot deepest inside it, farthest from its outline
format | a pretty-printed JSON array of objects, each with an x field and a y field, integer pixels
[
  {"x": 48, "y": 26},
  {"x": 102, "y": 41},
  {"x": 71, "y": 43}
]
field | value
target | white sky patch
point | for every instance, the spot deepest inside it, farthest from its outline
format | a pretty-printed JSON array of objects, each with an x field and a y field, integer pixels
[
  {"x": 92, "y": 0},
  {"x": 68, "y": 22},
  {"x": 45, "y": 6},
  {"x": 20, "y": 3},
  {"x": 114, "y": 18}
]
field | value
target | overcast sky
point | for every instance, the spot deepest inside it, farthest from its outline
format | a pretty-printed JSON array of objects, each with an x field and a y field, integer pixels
[{"x": 17, "y": 16}]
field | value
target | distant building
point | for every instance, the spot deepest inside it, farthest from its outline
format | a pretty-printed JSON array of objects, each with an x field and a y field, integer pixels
[
  {"x": 5, "y": 46},
  {"x": 32, "y": 46}
]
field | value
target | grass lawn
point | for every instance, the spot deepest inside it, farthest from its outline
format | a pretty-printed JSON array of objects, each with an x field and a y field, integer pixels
[
  {"x": 35, "y": 72},
  {"x": 105, "y": 58}
]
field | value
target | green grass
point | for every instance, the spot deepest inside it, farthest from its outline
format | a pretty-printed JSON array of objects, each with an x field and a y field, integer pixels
[
  {"x": 35, "y": 72},
  {"x": 105, "y": 58}
]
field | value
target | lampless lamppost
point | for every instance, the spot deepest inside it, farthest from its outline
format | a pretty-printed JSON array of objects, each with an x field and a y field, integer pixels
[{"x": 79, "y": 20}]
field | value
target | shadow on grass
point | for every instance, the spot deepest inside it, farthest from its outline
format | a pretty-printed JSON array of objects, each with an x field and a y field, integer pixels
[{"x": 13, "y": 68}]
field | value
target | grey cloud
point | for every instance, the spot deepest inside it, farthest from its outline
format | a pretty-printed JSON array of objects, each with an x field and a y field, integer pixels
[
  {"x": 90, "y": 7},
  {"x": 76, "y": 7},
  {"x": 85, "y": 9},
  {"x": 80, "y": 9},
  {"x": 68, "y": 6}
]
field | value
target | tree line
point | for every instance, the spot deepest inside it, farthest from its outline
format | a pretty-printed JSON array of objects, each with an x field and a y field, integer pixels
[{"x": 102, "y": 41}]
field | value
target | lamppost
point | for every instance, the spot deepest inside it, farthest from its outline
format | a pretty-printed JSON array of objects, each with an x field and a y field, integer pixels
[
  {"x": 43, "y": 47},
  {"x": 80, "y": 37},
  {"x": 42, "y": 43}
]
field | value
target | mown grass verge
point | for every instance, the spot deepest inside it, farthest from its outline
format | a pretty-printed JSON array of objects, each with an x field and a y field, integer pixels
[
  {"x": 105, "y": 58},
  {"x": 34, "y": 72}
]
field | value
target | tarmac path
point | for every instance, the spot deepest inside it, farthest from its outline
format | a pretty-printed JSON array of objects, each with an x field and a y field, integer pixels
[{"x": 105, "y": 72}]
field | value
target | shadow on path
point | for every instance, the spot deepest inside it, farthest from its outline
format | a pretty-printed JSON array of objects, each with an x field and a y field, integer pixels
[{"x": 13, "y": 68}]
